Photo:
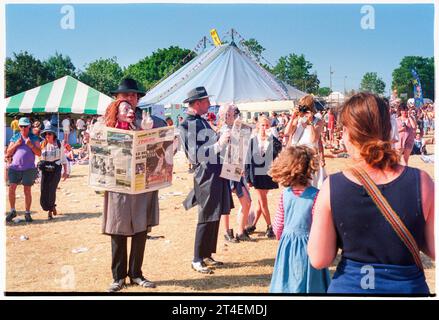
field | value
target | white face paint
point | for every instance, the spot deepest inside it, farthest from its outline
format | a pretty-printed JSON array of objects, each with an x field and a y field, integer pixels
[{"x": 126, "y": 113}]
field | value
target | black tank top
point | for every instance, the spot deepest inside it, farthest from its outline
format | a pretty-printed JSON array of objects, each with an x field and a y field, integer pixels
[{"x": 363, "y": 233}]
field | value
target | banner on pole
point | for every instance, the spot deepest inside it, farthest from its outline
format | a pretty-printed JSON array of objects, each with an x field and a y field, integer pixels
[
  {"x": 215, "y": 38},
  {"x": 417, "y": 90}
]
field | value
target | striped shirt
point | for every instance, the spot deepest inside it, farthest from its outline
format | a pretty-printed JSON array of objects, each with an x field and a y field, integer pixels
[{"x": 51, "y": 152}]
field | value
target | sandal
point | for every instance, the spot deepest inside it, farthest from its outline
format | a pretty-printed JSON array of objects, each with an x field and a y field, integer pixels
[
  {"x": 117, "y": 285},
  {"x": 49, "y": 215},
  {"x": 54, "y": 212},
  {"x": 143, "y": 282}
]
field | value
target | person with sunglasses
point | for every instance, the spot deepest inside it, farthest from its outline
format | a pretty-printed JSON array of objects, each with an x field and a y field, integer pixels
[
  {"x": 52, "y": 160},
  {"x": 23, "y": 148}
]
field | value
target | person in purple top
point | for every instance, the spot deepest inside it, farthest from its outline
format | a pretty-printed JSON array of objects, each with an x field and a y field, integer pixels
[{"x": 23, "y": 147}]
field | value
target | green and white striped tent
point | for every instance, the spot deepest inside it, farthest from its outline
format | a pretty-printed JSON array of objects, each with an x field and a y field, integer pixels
[{"x": 64, "y": 95}]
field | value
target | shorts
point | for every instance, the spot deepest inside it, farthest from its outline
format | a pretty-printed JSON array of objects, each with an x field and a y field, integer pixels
[{"x": 26, "y": 177}]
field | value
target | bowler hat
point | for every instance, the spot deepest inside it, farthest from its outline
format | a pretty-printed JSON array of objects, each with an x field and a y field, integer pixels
[
  {"x": 128, "y": 85},
  {"x": 196, "y": 94}
]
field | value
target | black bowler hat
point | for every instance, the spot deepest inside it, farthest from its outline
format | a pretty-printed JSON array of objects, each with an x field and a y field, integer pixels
[
  {"x": 128, "y": 85},
  {"x": 196, "y": 94}
]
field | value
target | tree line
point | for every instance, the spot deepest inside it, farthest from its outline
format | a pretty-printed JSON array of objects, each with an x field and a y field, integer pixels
[{"x": 23, "y": 71}]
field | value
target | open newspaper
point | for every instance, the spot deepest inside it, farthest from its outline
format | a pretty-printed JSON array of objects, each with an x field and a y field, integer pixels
[
  {"x": 131, "y": 161},
  {"x": 236, "y": 151}
]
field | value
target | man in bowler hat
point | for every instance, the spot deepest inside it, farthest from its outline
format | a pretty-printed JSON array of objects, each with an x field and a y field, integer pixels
[{"x": 211, "y": 192}]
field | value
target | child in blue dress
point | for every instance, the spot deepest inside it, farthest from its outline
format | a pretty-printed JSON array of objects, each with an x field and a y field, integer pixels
[{"x": 293, "y": 272}]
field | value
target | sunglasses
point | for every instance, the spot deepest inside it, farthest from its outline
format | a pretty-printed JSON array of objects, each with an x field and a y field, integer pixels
[{"x": 24, "y": 126}]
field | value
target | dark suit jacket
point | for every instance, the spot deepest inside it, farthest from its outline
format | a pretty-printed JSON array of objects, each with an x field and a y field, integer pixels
[
  {"x": 211, "y": 192},
  {"x": 257, "y": 165}
]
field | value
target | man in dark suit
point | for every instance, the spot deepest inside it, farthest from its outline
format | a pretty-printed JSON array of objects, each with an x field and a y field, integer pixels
[{"x": 211, "y": 192}]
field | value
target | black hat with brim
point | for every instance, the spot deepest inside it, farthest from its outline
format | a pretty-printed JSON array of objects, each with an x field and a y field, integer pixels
[
  {"x": 128, "y": 85},
  {"x": 196, "y": 94}
]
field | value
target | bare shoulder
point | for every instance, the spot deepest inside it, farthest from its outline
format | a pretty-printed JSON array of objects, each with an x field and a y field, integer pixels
[
  {"x": 324, "y": 191},
  {"x": 426, "y": 180}
]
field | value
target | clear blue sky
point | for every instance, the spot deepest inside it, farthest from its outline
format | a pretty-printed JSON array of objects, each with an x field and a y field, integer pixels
[{"x": 325, "y": 34}]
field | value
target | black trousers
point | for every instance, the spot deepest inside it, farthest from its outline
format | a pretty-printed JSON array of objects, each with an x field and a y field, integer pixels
[
  {"x": 206, "y": 238},
  {"x": 119, "y": 255},
  {"x": 49, "y": 183}
]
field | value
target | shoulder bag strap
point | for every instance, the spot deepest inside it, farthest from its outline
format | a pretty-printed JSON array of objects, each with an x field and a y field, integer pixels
[{"x": 389, "y": 214}]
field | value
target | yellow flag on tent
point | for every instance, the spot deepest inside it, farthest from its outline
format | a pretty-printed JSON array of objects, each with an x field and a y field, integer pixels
[{"x": 215, "y": 37}]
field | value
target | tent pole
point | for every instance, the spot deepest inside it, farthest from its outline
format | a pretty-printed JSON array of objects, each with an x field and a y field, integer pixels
[{"x": 58, "y": 124}]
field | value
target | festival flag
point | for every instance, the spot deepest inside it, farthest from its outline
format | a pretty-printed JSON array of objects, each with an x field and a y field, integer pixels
[
  {"x": 215, "y": 37},
  {"x": 417, "y": 90}
]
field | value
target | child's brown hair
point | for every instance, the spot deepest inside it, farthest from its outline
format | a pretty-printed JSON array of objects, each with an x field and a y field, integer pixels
[{"x": 294, "y": 166}]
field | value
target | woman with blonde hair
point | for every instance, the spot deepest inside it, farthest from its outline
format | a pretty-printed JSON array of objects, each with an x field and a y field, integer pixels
[
  {"x": 379, "y": 213},
  {"x": 263, "y": 149}
]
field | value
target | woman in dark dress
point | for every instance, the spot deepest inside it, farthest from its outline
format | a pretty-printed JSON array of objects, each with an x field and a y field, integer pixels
[
  {"x": 263, "y": 149},
  {"x": 378, "y": 256}
]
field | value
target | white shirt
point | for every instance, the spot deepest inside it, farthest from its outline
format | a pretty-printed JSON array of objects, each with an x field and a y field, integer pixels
[
  {"x": 263, "y": 145},
  {"x": 394, "y": 134},
  {"x": 66, "y": 124},
  {"x": 51, "y": 153},
  {"x": 302, "y": 135},
  {"x": 80, "y": 124}
]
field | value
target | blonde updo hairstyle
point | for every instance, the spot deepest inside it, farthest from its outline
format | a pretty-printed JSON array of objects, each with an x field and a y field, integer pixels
[{"x": 367, "y": 119}]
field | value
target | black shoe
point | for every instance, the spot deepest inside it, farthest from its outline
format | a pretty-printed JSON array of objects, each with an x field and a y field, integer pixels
[
  {"x": 201, "y": 267},
  {"x": 213, "y": 263},
  {"x": 143, "y": 282},
  {"x": 250, "y": 229},
  {"x": 11, "y": 215},
  {"x": 229, "y": 236},
  {"x": 28, "y": 217},
  {"x": 270, "y": 233},
  {"x": 244, "y": 237},
  {"x": 117, "y": 285}
]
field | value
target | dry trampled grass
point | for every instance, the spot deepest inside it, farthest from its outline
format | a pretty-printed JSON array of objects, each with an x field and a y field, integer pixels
[{"x": 45, "y": 262}]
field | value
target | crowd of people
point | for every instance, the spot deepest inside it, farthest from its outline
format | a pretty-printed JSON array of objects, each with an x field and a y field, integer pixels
[
  {"x": 379, "y": 212},
  {"x": 35, "y": 154}
]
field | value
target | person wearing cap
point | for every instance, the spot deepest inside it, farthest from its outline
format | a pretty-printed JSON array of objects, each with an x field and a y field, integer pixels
[
  {"x": 127, "y": 215},
  {"x": 23, "y": 147},
  {"x": 52, "y": 160},
  {"x": 211, "y": 192}
]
